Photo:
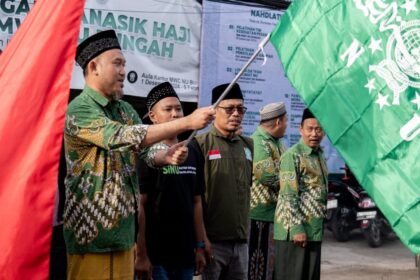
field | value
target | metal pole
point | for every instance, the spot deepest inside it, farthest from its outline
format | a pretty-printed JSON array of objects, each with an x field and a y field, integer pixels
[{"x": 226, "y": 91}]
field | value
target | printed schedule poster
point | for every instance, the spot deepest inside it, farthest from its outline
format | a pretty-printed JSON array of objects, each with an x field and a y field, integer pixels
[{"x": 230, "y": 35}]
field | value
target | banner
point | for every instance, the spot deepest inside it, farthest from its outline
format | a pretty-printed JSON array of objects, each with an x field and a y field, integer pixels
[
  {"x": 160, "y": 39},
  {"x": 357, "y": 66},
  {"x": 231, "y": 33},
  {"x": 35, "y": 73}
]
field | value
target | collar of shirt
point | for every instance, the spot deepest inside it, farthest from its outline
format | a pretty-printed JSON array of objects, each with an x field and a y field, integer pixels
[
  {"x": 96, "y": 96},
  {"x": 266, "y": 135},
  {"x": 309, "y": 150},
  {"x": 216, "y": 132}
]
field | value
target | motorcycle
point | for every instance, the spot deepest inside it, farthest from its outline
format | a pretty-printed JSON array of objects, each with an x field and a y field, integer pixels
[
  {"x": 373, "y": 223},
  {"x": 342, "y": 207}
]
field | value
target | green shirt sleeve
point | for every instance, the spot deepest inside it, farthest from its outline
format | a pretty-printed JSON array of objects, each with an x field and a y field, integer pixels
[
  {"x": 290, "y": 211},
  {"x": 92, "y": 126},
  {"x": 265, "y": 169},
  {"x": 149, "y": 154}
]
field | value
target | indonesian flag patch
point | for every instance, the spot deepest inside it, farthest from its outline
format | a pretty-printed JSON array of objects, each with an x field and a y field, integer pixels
[{"x": 214, "y": 154}]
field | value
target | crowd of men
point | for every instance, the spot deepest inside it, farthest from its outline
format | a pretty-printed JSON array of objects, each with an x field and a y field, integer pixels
[{"x": 139, "y": 203}]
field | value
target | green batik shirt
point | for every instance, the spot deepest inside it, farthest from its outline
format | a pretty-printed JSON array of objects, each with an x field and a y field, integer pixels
[
  {"x": 302, "y": 200},
  {"x": 265, "y": 180},
  {"x": 101, "y": 139}
]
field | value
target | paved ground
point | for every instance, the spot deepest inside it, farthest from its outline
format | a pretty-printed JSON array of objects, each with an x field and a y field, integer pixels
[{"x": 354, "y": 259}]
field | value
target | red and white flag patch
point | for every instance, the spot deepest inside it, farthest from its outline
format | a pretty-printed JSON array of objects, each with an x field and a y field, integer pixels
[{"x": 214, "y": 154}]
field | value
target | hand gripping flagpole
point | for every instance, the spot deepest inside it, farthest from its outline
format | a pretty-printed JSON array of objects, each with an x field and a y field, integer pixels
[{"x": 226, "y": 91}]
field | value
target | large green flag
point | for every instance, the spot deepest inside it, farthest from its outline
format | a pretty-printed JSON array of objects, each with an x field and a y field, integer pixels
[{"x": 356, "y": 64}]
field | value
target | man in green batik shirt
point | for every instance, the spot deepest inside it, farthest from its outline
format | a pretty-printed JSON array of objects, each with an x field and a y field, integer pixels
[
  {"x": 102, "y": 137},
  {"x": 265, "y": 188},
  {"x": 301, "y": 205}
]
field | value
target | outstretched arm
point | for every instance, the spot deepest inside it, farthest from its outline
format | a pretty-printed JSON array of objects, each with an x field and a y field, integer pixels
[{"x": 200, "y": 118}]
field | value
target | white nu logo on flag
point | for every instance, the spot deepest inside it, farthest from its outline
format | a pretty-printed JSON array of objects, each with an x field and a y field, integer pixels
[{"x": 400, "y": 65}]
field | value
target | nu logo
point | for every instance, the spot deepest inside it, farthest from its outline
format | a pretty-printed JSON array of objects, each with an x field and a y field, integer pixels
[{"x": 171, "y": 169}]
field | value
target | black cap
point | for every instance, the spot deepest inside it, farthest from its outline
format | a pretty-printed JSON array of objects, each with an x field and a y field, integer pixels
[
  {"x": 307, "y": 115},
  {"x": 234, "y": 93},
  {"x": 158, "y": 93},
  {"x": 95, "y": 45}
]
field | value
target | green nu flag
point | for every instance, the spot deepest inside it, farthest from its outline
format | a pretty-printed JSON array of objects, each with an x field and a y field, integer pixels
[{"x": 356, "y": 64}]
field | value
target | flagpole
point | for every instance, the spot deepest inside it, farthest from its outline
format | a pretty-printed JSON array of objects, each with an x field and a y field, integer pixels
[{"x": 226, "y": 91}]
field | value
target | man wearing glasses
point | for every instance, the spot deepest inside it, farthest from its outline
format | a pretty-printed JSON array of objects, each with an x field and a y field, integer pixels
[
  {"x": 301, "y": 205},
  {"x": 227, "y": 159}
]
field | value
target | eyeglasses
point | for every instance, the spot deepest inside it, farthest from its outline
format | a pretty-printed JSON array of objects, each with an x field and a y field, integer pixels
[{"x": 229, "y": 110}]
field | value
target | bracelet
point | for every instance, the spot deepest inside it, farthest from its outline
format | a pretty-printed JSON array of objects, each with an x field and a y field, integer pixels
[{"x": 200, "y": 245}]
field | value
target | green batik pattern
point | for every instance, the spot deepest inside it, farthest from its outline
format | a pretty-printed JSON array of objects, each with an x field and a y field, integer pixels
[
  {"x": 265, "y": 181},
  {"x": 151, "y": 152},
  {"x": 101, "y": 144},
  {"x": 310, "y": 203},
  {"x": 288, "y": 209},
  {"x": 106, "y": 207},
  {"x": 302, "y": 196}
]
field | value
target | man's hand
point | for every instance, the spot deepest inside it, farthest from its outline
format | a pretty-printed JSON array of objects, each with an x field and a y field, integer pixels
[
  {"x": 176, "y": 154},
  {"x": 201, "y": 117},
  {"x": 207, "y": 251},
  {"x": 300, "y": 239},
  {"x": 143, "y": 268},
  {"x": 200, "y": 261}
]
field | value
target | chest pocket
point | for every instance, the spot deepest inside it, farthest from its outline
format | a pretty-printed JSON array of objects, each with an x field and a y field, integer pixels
[
  {"x": 233, "y": 166},
  {"x": 312, "y": 175}
]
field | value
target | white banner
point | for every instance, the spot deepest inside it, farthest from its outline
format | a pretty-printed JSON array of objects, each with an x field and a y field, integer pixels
[
  {"x": 160, "y": 39},
  {"x": 231, "y": 33}
]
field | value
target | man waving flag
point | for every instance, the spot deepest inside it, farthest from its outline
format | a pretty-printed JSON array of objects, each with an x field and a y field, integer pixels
[
  {"x": 35, "y": 72},
  {"x": 356, "y": 64}
]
